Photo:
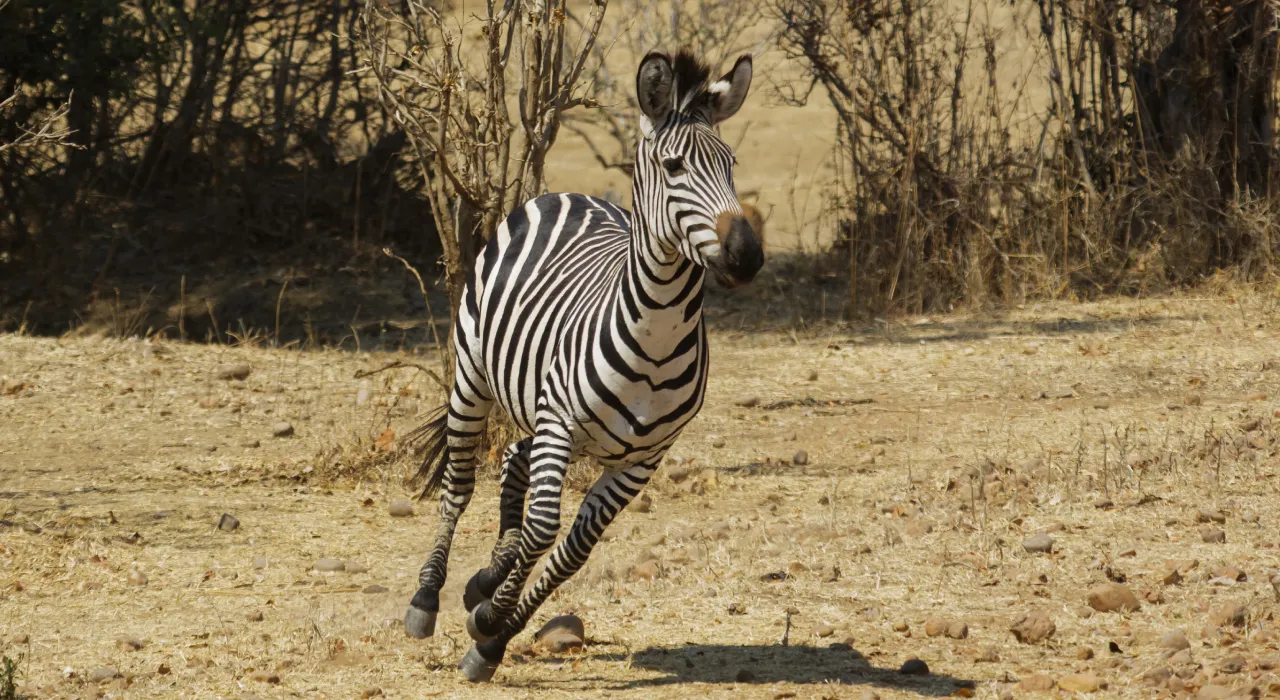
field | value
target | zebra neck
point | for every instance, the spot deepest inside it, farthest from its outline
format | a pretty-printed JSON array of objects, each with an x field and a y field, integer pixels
[{"x": 659, "y": 304}]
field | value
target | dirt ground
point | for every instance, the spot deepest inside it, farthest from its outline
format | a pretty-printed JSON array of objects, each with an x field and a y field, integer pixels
[{"x": 935, "y": 447}]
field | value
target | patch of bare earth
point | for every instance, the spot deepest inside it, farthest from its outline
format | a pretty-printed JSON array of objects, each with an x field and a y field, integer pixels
[{"x": 846, "y": 501}]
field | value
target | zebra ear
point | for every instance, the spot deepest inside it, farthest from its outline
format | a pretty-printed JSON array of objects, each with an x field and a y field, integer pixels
[
  {"x": 655, "y": 85},
  {"x": 729, "y": 92}
]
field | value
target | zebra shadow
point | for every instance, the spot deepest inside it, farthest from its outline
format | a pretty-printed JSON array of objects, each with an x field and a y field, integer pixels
[{"x": 837, "y": 665}]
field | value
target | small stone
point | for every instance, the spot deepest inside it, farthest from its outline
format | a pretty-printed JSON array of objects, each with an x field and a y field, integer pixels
[
  {"x": 362, "y": 396},
  {"x": 371, "y": 693},
  {"x": 264, "y": 677},
  {"x": 252, "y": 444},
  {"x": 936, "y": 627},
  {"x": 1229, "y": 615},
  {"x": 747, "y": 401},
  {"x": 1230, "y": 572},
  {"x": 1213, "y": 535},
  {"x": 374, "y": 588},
  {"x": 255, "y": 616},
  {"x": 137, "y": 578},
  {"x": 718, "y": 441},
  {"x": 1210, "y": 515},
  {"x": 400, "y": 508},
  {"x": 20, "y": 639},
  {"x": 1112, "y": 597},
  {"x": 1034, "y": 627},
  {"x": 813, "y": 375},
  {"x": 823, "y": 630},
  {"x": 918, "y": 527},
  {"x": 1038, "y": 544},
  {"x": 1084, "y": 653},
  {"x": 989, "y": 655},
  {"x": 1171, "y": 578},
  {"x": 561, "y": 634},
  {"x": 914, "y": 667},
  {"x": 745, "y": 676},
  {"x": 1103, "y": 503},
  {"x": 1232, "y": 664},
  {"x": 1081, "y": 683},
  {"x": 901, "y": 627},
  {"x": 1181, "y": 658},
  {"x": 259, "y": 562},
  {"x": 282, "y": 429},
  {"x": 1158, "y": 675},
  {"x": 356, "y": 567},
  {"x": 958, "y": 630},
  {"x": 1174, "y": 640},
  {"x": 1037, "y": 683},
  {"x": 800, "y": 458},
  {"x": 643, "y": 504},
  {"x": 646, "y": 571},
  {"x": 128, "y": 643},
  {"x": 329, "y": 565},
  {"x": 228, "y": 522},
  {"x": 236, "y": 372},
  {"x": 99, "y": 675}
]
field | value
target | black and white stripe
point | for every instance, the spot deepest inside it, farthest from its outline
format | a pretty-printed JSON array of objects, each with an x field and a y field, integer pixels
[{"x": 584, "y": 323}]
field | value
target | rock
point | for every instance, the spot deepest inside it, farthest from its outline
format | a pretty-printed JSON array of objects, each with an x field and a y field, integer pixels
[
  {"x": 1081, "y": 683},
  {"x": 1033, "y": 628},
  {"x": 1038, "y": 544},
  {"x": 958, "y": 630},
  {"x": 1220, "y": 692},
  {"x": 371, "y": 693},
  {"x": 710, "y": 480},
  {"x": 1112, "y": 597},
  {"x": 400, "y": 508},
  {"x": 1158, "y": 675},
  {"x": 362, "y": 396},
  {"x": 914, "y": 667},
  {"x": 745, "y": 676},
  {"x": 800, "y": 458},
  {"x": 1213, "y": 535},
  {"x": 677, "y": 473},
  {"x": 128, "y": 643},
  {"x": 823, "y": 630},
  {"x": 252, "y": 444},
  {"x": 137, "y": 578},
  {"x": 646, "y": 571},
  {"x": 1174, "y": 640},
  {"x": 561, "y": 634},
  {"x": 747, "y": 401},
  {"x": 989, "y": 655},
  {"x": 901, "y": 627},
  {"x": 718, "y": 441},
  {"x": 264, "y": 677},
  {"x": 1181, "y": 658},
  {"x": 355, "y": 567},
  {"x": 228, "y": 522},
  {"x": 1232, "y": 664},
  {"x": 282, "y": 429},
  {"x": 236, "y": 372},
  {"x": 1084, "y": 653},
  {"x": 1171, "y": 578},
  {"x": 259, "y": 562},
  {"x": 11, "y": 387},
  {"x": 1103, "y": 503},
  {"x": 20, "y": 639},
  {"x": 1229, "y": 615},
  {"x": 813, "y": 375},
  {"x": 99, "y": 675},
  {"x": 1230, "y": 573},
  {"x": 643, "y": 504},
  {"x": 1210, "y": 515},
  {"x": 328, "y": 565},
  {"x": 1036, "y": 683},
  {"x": 936, "y": 627},
  {"x": 374, "y": 588},
  {"x": 918, "y": 527},
  {"x": 255, "y": 616}
]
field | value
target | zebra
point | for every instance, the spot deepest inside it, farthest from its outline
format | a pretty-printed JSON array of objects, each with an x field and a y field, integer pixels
[{"x": 583, "y": 322}]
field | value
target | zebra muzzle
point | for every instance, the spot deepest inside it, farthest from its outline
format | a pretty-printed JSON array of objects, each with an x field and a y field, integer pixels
[{"x": 740, "y": 256}]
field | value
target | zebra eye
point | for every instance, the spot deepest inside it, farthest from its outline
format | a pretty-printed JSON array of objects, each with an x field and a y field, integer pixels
[{"x": 674, "y": 165}]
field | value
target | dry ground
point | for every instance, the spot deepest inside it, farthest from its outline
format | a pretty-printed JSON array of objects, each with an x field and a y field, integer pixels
[{"x": 120, "y": 456}]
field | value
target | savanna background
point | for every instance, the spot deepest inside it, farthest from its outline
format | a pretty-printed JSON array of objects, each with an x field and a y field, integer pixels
[{"x": 1020, "y": 286}]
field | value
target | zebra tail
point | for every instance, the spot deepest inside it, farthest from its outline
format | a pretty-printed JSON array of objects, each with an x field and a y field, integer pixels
[{"x": 431, "y": 440}]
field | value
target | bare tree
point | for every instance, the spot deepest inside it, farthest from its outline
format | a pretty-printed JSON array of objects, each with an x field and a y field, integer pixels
[
  {"x": 452, "y": 97},
  {"x": 49, "y": 131}
]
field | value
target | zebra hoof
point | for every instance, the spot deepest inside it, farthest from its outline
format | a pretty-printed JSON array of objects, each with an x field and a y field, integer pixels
[
  {"x": 475, "y": 593},
  {"x": 476, "y": 668},
  {"x": 419, "y": 624},
  {"x": 474, "y": 623}
]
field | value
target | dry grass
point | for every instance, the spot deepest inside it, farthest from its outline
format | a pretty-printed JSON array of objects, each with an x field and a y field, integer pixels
[{"x": 121, "y": 455}]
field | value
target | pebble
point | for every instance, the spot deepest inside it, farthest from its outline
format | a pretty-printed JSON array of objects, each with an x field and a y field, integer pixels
[
  {"x": 901, "y": 627},
  {"x": 1112, "y": 597},
  {"x": 1158, "y": 675},
  {"x": 264, "y": 677},
  {"x": 1038, "y": 544},
  {"x": 1084, "y": 653},
  {"x": 1081, "y": 683},
  {"x": 137, "y": 578},
  {"x": 259, "y": 562},
  {"x": 282, "y": 429},
  {"x": 561, "y": 634},
  {"x": 800, "y": 458},
  {"x": 914, "y": 667},
  {"x": 236, "y": 372},
  {"x": 958, "y": 630},
  {"x": 371, "y": 693},
  {"x": 747, "y": 401},
  {"x": 1034, "y": 627},
  {"x": 643, "y": 504},
  {"x": 823, "y": 630},
  {"x": 228, "y": 522},
  {"x": 1210, "y": 515},
  {"x": 1174, "y": 640},
  {"x": 99, "y": 675},
  {"x": 374, "y": 588},
  {"x": 21, "y": 639},
  {"x": 1232, "y": 664},
  {"x": 330, "y": 565},
  {"x": 128, "y": 643},
  {"x": 718, "y": 441},
  {"x": 401, "y": 508},
  {"x": 252, "y": 444},
  {"x": 1228, "y": 615},
  {"x": 988, "y": 656},
  {"x": 918, "y": 527},
  {"x": 813, "y": 375},
  {"x": 355, "y": 567},
  {"x": 1037, "y": 683},
  {"x": 1213, "y": 535},
  {"x": 646, "y": 571},
  {"x": 362, "y": 397}
]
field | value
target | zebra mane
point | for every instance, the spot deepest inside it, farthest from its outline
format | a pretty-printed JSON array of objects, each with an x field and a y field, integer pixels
[{"x": 691, "y": 76}]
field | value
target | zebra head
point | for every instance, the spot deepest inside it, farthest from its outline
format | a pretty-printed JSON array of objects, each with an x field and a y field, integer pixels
[{"x": 684, "y": 171}]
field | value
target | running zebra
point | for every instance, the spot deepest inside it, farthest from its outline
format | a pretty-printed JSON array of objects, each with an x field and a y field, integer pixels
[{"x": 584, "y": 323}]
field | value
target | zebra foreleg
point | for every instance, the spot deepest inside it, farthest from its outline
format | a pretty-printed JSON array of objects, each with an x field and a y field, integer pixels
[
  {"x": 607, "y": 498},
  {"x": 514, "y": 481},
  {"x": 468, "y": 416}
]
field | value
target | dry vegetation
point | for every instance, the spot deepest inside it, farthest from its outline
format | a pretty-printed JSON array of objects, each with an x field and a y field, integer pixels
[{"x": 935, "y": 447}]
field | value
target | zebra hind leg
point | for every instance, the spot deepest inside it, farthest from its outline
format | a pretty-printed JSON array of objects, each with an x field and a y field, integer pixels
[
  {"x": 607, "y": 498},
  {"x": 451, "y": 440},
  {"x": 514, "y": 481}
]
